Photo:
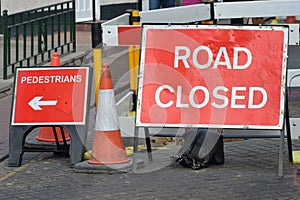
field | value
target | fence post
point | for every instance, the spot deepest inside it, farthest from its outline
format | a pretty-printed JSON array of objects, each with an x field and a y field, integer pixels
[
  {"x": 5, "y": 40},
  {"x": 73, "y": 26}
]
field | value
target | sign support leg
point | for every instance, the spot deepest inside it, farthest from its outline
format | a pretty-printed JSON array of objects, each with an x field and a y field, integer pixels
[
  {"x": 17, "y": 138},
  {"x": 135, "y": 149},
  {"x": 148, "y": 144},
  {"x": 77, "y": 142},
  {"x": 280, "y": 164},
  {"x": 17, "y": 135},
  {"x": 288, "y": 127}
]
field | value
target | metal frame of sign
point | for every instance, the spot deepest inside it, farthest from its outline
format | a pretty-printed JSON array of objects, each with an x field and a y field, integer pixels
[{"x": 142, "y": 74}]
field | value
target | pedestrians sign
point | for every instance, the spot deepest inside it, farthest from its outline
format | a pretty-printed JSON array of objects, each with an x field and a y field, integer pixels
[
  {"x": 50, "y": 95},
  {"x": 212, "y": 76}
]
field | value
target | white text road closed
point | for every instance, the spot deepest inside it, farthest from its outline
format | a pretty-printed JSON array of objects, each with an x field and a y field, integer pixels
[
  {"x": 218, "y": 93},
  {"x": 212, "y": 76},
  {"x": 206, "y": 57}
]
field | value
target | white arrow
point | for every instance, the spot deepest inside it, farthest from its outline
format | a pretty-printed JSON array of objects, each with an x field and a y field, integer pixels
[{"x": 35, "y": 103}]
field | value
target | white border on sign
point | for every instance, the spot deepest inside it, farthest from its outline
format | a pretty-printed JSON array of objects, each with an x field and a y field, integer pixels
[
  {"x": 145, "y": 28},
  {"x": 51, "y": 68}
]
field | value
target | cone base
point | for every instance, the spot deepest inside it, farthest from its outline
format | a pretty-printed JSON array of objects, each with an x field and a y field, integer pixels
[
  {"x": 32, "y": 143},
  {"x": 94, "y": 161},
  {"x": 42, "y": 139},
  {"x": 86, "y": 167},
  {"x": 46, "y": 135}
]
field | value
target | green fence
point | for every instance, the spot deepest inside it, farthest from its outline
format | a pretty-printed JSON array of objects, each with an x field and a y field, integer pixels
[{"x": 30, "y": 37}]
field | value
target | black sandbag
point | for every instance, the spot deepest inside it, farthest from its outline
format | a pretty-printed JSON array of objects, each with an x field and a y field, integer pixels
[{"x": 200, "y": 148}]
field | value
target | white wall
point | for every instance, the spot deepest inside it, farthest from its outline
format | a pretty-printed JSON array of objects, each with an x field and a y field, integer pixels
[{"x": 14, "y": 6}]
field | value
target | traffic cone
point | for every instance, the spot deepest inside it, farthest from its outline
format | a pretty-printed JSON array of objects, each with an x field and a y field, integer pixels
[
  {"x": 258, "y": 20},
  {"x": 55, "y": 61},
  {"x": 290, "y": 20},
  {"x": 46, "y": 134},
  {"x": 108, "y": 148}
]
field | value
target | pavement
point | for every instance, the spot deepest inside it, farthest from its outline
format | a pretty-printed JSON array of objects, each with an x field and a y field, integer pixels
[{"x": 250, "y": 170}]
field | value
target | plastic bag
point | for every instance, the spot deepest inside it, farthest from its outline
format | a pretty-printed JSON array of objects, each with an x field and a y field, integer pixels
[{"x": 200, "y": 148}]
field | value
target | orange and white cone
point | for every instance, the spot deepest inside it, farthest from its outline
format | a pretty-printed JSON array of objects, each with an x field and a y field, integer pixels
[
  {"x": 46, "y": 134},
  {"x": 55, "y": 61},
  {"x": 108, "y": 146},
  {"x": 290, "y": 20}
]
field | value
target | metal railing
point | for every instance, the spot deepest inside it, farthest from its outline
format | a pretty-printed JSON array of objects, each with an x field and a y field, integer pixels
[{"x": 30, "y": 37}]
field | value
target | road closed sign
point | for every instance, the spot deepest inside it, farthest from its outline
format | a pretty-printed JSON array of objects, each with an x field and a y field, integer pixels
[
  {"x": 50, "y": 95},
  {"x": 212, "y": 76}
]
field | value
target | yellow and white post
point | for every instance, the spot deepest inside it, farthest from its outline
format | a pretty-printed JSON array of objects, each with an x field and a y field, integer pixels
[
  {"x": 134, "y": 59},
  {"x": 97, "y": 71}
]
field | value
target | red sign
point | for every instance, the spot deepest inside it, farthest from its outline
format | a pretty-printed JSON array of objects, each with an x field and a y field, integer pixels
[
  {"x": 212, "y": 76},
  {"x": 129, "y": 35},
  {"x": 50, "y": 95}
]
